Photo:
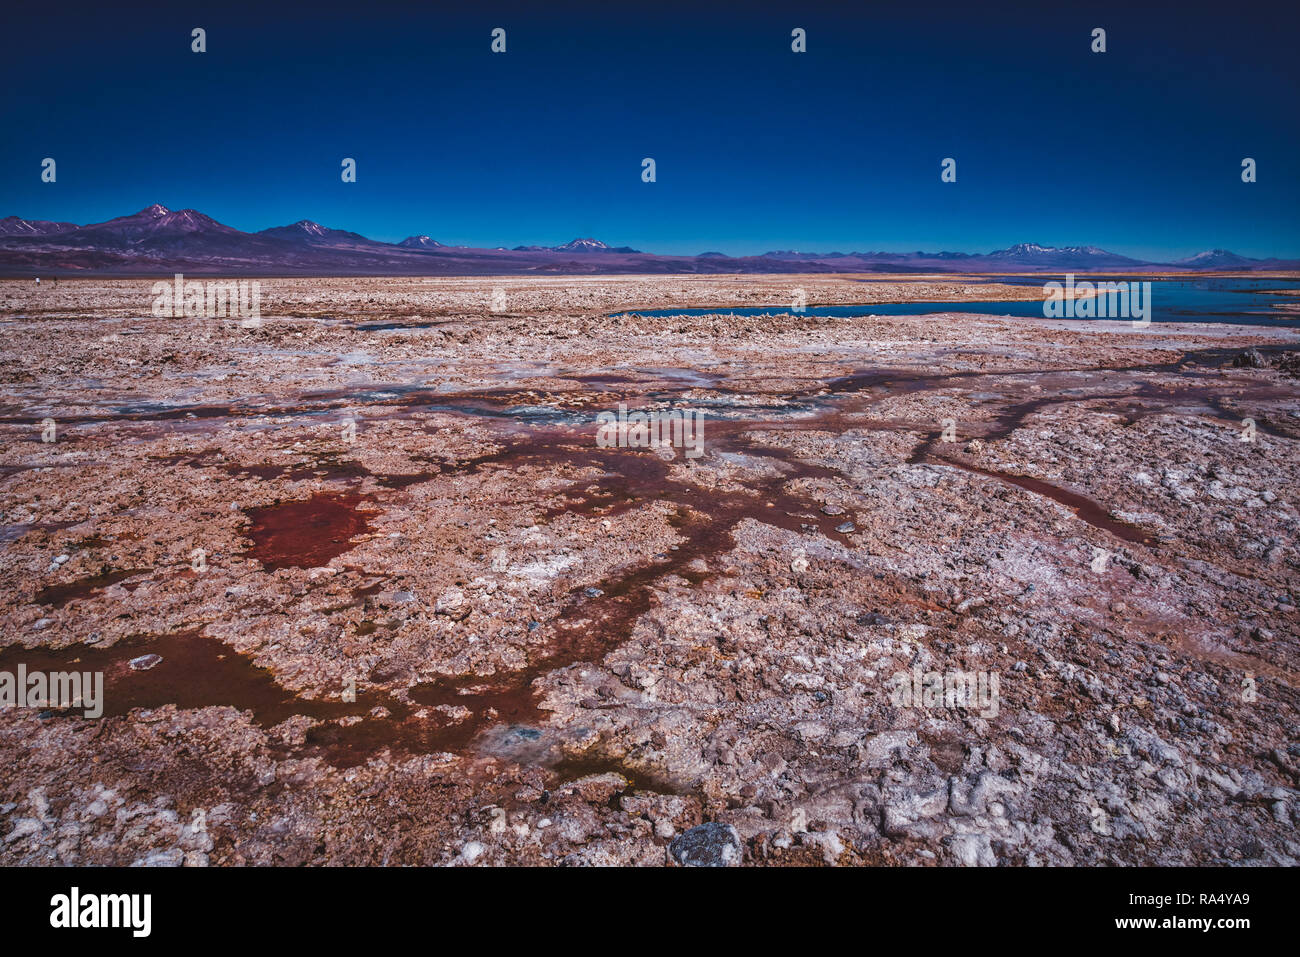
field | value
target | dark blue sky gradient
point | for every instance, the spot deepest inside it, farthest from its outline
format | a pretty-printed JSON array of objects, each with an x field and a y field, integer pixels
[{"x": 1137, "y": 150}]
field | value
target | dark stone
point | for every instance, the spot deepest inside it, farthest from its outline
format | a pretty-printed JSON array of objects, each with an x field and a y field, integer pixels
[
  {"x": 709, "y": 845},
  {"x": 1250, "y": 359}
]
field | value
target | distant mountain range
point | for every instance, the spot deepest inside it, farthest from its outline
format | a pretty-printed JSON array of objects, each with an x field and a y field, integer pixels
[
  {"x": 579, "y": 246},
  {"x": 160, "y": 241}
]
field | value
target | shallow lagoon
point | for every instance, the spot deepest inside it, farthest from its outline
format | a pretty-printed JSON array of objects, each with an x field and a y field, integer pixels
[{"x": 1241, "y": 301}]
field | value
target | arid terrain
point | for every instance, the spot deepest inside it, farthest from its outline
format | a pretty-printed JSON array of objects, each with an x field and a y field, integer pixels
[{"x": 365, "y": 588}]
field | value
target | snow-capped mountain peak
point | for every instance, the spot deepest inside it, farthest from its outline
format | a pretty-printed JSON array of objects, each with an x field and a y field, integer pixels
[
  {"x": 582, "y": 245},
  {"x": 1215, "y": 258},
  {"x": 420, "y": 242}
]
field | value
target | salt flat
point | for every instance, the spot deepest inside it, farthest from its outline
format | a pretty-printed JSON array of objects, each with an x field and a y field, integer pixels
[{"x": 409, "y": 610}]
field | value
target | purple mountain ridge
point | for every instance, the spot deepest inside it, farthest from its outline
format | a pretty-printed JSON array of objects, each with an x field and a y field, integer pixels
[
  {"x": 305, "y": 231},
  {"x": 13, "y": 226},
  {"x": 151, "y": 223},
  {"x": 160, "y": 241}
]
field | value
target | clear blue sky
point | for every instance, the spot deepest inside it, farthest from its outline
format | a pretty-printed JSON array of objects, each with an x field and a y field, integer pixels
[{"x": 1137, "y": 150}]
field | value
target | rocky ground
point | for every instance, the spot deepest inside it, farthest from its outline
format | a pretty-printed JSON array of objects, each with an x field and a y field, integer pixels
[{"x": 364, "y": 587}]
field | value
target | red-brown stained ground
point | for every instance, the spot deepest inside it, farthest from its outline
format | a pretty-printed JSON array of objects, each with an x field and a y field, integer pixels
[
  {"x": 308, "y": 533},
  {"x": 195, "y": 672}
]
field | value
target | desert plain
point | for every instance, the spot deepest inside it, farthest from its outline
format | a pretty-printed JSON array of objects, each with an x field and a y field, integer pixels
[{"x": 365, "y": 589}]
